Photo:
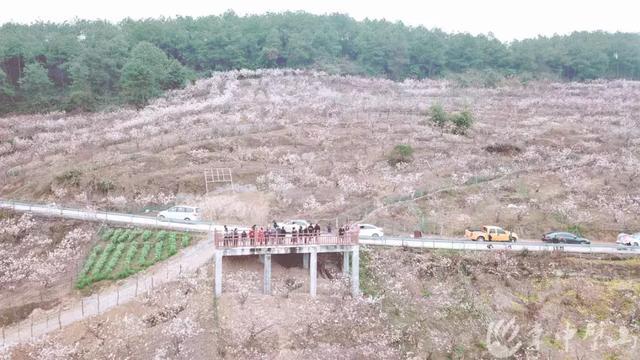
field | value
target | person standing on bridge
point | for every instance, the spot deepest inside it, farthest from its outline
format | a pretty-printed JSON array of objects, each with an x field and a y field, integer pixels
[
  {"x": 310, "y": 231},
  {"x": 260, "y": 236},
  {"x": 244, "y": 238},
  {"x": 236, "y": 237},
  {"x": 252, "y": 236}
]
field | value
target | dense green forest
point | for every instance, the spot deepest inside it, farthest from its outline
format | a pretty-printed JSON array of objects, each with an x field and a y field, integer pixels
[{"x": 85, "y": 65}]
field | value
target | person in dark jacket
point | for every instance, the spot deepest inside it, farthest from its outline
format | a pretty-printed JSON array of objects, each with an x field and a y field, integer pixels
[
  {"x": 244, "y": 238},
  {"x": 310, "y": 230},
  {"x": 235, "y": 237}
]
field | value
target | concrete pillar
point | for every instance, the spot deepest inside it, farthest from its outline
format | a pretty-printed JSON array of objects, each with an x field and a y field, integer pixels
[
  {"x": 313, "y": 272},
  {"x": 345, "y": 263},
  {"x": 355, "y": 272},
  {"x": 305, "y": 261},
  {"x": 267, "y": 274},
  {"x": 218, "y": 271},
  {"x": 211, "y": 238}
]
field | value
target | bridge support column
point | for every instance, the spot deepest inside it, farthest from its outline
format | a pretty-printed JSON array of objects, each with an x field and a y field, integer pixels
[
  {"x": 355, "y": 272},
  {"x": 305, "y": 261},
  {"x": 313, "y": 272},
  {"x": 345, "y": 263},
  {"x": 218, "y": 273},
  {"x": 267, "y": 274}
]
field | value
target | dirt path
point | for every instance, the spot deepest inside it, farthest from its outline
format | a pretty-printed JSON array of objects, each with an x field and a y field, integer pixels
[{"x": 186, "y": 262}]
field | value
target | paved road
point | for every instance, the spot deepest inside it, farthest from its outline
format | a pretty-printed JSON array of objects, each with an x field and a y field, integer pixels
[
  {"x": 530, "y": 245},
  {"x": 428, "y": 242},
  {"x": 106, "y": 216}
]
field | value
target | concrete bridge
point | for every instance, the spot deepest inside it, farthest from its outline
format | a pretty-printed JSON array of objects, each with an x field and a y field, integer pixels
[{"x": 307, "y": 245}]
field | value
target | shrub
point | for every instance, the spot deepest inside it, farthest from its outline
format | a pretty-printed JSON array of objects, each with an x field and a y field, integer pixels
[
  {"x": 113, "y": 261},
  {"x": 71, "y": 177},
  {"x": 438, "y": 116},
  {"x": 402, "y": 153},
  {"x": 144, "y": 253},
  {"x": 173, "y": 246},
  {"x": 105, "y": 185},
  {"x": 97, "y": 268},
  {"x": 83, "y": 279},
  {"x": 126, "y": 266},
  {"x": 146, "y": 235},
  {"x": 158, "y": 251},
  {"x": 115, "y": 235},
  {"x": 186, "y": 239},
  {"x": 106, "y": 233},
  {"x": 124, "y": 236},
  {"x": 462, "y": 122}
]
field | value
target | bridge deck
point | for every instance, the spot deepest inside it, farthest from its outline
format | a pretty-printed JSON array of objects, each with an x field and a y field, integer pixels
[{"x": 282, "y": 244}]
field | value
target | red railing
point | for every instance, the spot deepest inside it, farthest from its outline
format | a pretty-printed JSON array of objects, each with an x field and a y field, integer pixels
[{"x": 235, "y": 240}]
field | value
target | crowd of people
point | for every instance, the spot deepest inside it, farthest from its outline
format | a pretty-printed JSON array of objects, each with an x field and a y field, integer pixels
[{"x": 277, "y": 235}]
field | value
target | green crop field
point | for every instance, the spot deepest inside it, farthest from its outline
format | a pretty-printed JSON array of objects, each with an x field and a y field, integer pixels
[{"x": 123, "y": 252}]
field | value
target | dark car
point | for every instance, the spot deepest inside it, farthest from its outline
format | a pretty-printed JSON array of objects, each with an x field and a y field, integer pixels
[{"x": 564, "y": 237}]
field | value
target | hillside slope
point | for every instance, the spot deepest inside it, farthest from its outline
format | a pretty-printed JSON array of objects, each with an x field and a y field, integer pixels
[
  {"x": 417, "y": 304},
  {"x": 305, "y": 144}
]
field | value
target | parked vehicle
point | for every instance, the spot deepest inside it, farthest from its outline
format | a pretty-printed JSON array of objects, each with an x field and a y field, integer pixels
[
  {"x": 181, "y": 212},
  {"x": 368, "y": 230},
  {"x": 564, "y": 237},
  {"x": 294, "y": 224},
  {"x": 490, "y": 233},
  {"x": 630, "y": 240}
]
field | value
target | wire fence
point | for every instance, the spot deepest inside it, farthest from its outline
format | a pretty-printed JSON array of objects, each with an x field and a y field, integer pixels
[{"x": 120, "y": 292}]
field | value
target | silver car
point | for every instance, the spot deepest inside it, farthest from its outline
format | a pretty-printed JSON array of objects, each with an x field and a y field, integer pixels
[{"x": 181, "y": 212}]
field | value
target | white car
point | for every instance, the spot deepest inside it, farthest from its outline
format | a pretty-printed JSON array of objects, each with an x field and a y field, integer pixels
[
  {"x": 631, "y": 240},
  {"x": 181, "y": 212},
  {"x": 291, "y": 224},
  {"x": 368, "y": 230}
]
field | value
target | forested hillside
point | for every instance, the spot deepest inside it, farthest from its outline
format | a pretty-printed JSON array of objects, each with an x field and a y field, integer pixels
[{"x": 85, "y": 65}]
